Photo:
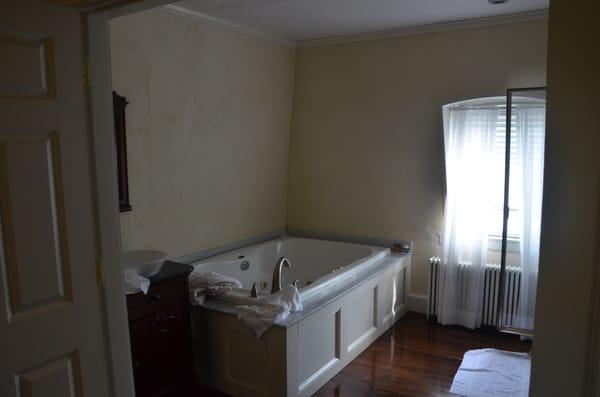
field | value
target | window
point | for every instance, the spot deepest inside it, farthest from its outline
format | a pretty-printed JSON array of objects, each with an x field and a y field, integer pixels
[
  {"x": 475, "y": 149},
  {"x": 515, "y": 181},
  {"x": 521, "y": 118}
]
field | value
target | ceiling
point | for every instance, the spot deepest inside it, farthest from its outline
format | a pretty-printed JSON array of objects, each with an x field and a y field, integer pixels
[{"x": 311, "y": 19}]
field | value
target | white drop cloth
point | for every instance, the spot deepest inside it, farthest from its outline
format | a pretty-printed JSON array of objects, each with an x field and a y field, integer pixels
[
  {"x": 203, "y": 284},
  {"x": 493, "y": 373},
  {"x": 135, "y": 283},
  {"x": 270, "y": 309}
]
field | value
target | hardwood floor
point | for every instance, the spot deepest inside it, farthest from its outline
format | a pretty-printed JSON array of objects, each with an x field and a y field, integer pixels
[{"x": 412, "y": 359}]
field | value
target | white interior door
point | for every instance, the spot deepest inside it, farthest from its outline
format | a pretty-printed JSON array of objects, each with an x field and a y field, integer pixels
[{"x": 51, "y": 329}]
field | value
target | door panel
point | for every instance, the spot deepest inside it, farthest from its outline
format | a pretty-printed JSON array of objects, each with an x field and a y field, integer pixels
[
  {"x": 51, "y": 329},
  {"x": 31, "y": 74},
  {"x": 35, "y": 258},
  {"x": 61, "y": 375}
]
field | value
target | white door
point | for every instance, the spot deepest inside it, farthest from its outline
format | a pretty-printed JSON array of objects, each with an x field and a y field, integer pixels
[{"x": 51, "y": 329}]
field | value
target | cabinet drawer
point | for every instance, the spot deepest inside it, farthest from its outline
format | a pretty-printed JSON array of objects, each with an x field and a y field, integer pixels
[{"x": 159, "y": 296}]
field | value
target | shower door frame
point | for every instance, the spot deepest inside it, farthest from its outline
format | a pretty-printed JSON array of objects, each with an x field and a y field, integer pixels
[{"x": 500, "y": 304}]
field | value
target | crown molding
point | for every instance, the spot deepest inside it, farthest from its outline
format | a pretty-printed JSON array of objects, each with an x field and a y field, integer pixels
[
  {"x": 374, "y": 35},
  {"x": 424, "y": 29},
  {"x": 177, "y": 10}
]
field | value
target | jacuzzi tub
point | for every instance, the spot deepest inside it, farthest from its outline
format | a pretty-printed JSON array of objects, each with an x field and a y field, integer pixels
[
  {"x": 351, "y": 294},
  {"x": 320, "y": 267}
]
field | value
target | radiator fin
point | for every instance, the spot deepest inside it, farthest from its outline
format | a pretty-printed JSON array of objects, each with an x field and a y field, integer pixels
[{"x": 491, "y": 286}]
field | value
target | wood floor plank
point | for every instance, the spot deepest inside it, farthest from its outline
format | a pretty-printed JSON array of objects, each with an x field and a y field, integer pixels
[{"x": 412, "y": 359}]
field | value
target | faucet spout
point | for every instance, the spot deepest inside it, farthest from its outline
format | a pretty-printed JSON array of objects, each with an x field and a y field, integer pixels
[{"x": 281, "y": 263}]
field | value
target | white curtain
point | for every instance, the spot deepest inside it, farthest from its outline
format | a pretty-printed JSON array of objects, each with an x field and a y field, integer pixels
[
  {"x": 469, "y": 139},
  {"x": 530, "y": 123}
]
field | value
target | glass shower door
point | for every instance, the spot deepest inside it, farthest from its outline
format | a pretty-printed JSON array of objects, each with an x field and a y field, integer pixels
[{"x": 523, "y": 187}]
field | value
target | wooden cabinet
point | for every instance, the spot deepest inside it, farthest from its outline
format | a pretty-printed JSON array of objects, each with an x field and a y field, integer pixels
[{"x": 159, "y": 326}]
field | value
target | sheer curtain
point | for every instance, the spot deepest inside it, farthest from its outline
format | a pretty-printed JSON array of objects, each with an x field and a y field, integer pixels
[
  {"x": 469, "y": 139},
  {"x": 530, "y": 123}
]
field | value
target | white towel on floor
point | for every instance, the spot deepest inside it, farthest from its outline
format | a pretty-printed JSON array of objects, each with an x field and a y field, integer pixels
[
  {"x": 271, "y": 309},
  {"x": 135, "y": 283},
  {"x": 493, "y": 373},
  {"x": 203, "y": 284}
]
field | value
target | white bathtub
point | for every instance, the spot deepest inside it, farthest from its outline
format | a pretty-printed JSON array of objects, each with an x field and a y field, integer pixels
[
  {"x": 351, "y": 293},
  {"x": 320, "y": 267}
]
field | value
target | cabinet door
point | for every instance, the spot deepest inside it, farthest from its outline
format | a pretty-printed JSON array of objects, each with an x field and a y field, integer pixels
[{"x": 161, "y": 349}]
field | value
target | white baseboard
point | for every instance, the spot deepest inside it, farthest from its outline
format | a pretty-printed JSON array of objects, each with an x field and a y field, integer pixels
[{"x": 416, "y": 303}]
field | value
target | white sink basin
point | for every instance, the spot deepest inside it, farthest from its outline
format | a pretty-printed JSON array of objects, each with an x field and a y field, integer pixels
[{"x": 144, "y": 262}]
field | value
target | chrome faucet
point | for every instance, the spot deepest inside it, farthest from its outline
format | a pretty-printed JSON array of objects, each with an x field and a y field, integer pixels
[{"x": 276, "y": 284}]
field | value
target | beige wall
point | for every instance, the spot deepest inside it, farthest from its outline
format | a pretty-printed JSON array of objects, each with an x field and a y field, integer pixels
[
  {"x": 569, "y": 264},
  {"x": 366, "y": 147},
  {"x": 208, "y": 131},
  {"x": 209, "y": 124}
]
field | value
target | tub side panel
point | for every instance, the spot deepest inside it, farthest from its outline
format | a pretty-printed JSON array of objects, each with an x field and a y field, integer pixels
[
  {"x": 230, "y": 358},
  {"x": 363, "y": 315}
]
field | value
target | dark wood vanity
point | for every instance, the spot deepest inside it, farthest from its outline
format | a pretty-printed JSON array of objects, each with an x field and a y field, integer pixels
[{"x": 159, "y": 326}]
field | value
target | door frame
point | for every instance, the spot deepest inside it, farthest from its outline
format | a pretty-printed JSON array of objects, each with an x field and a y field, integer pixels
[
  {"x": 107, "y": 208},
  {"x": 106, "y": 188},
  {"x": 500, "y": 303}
]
